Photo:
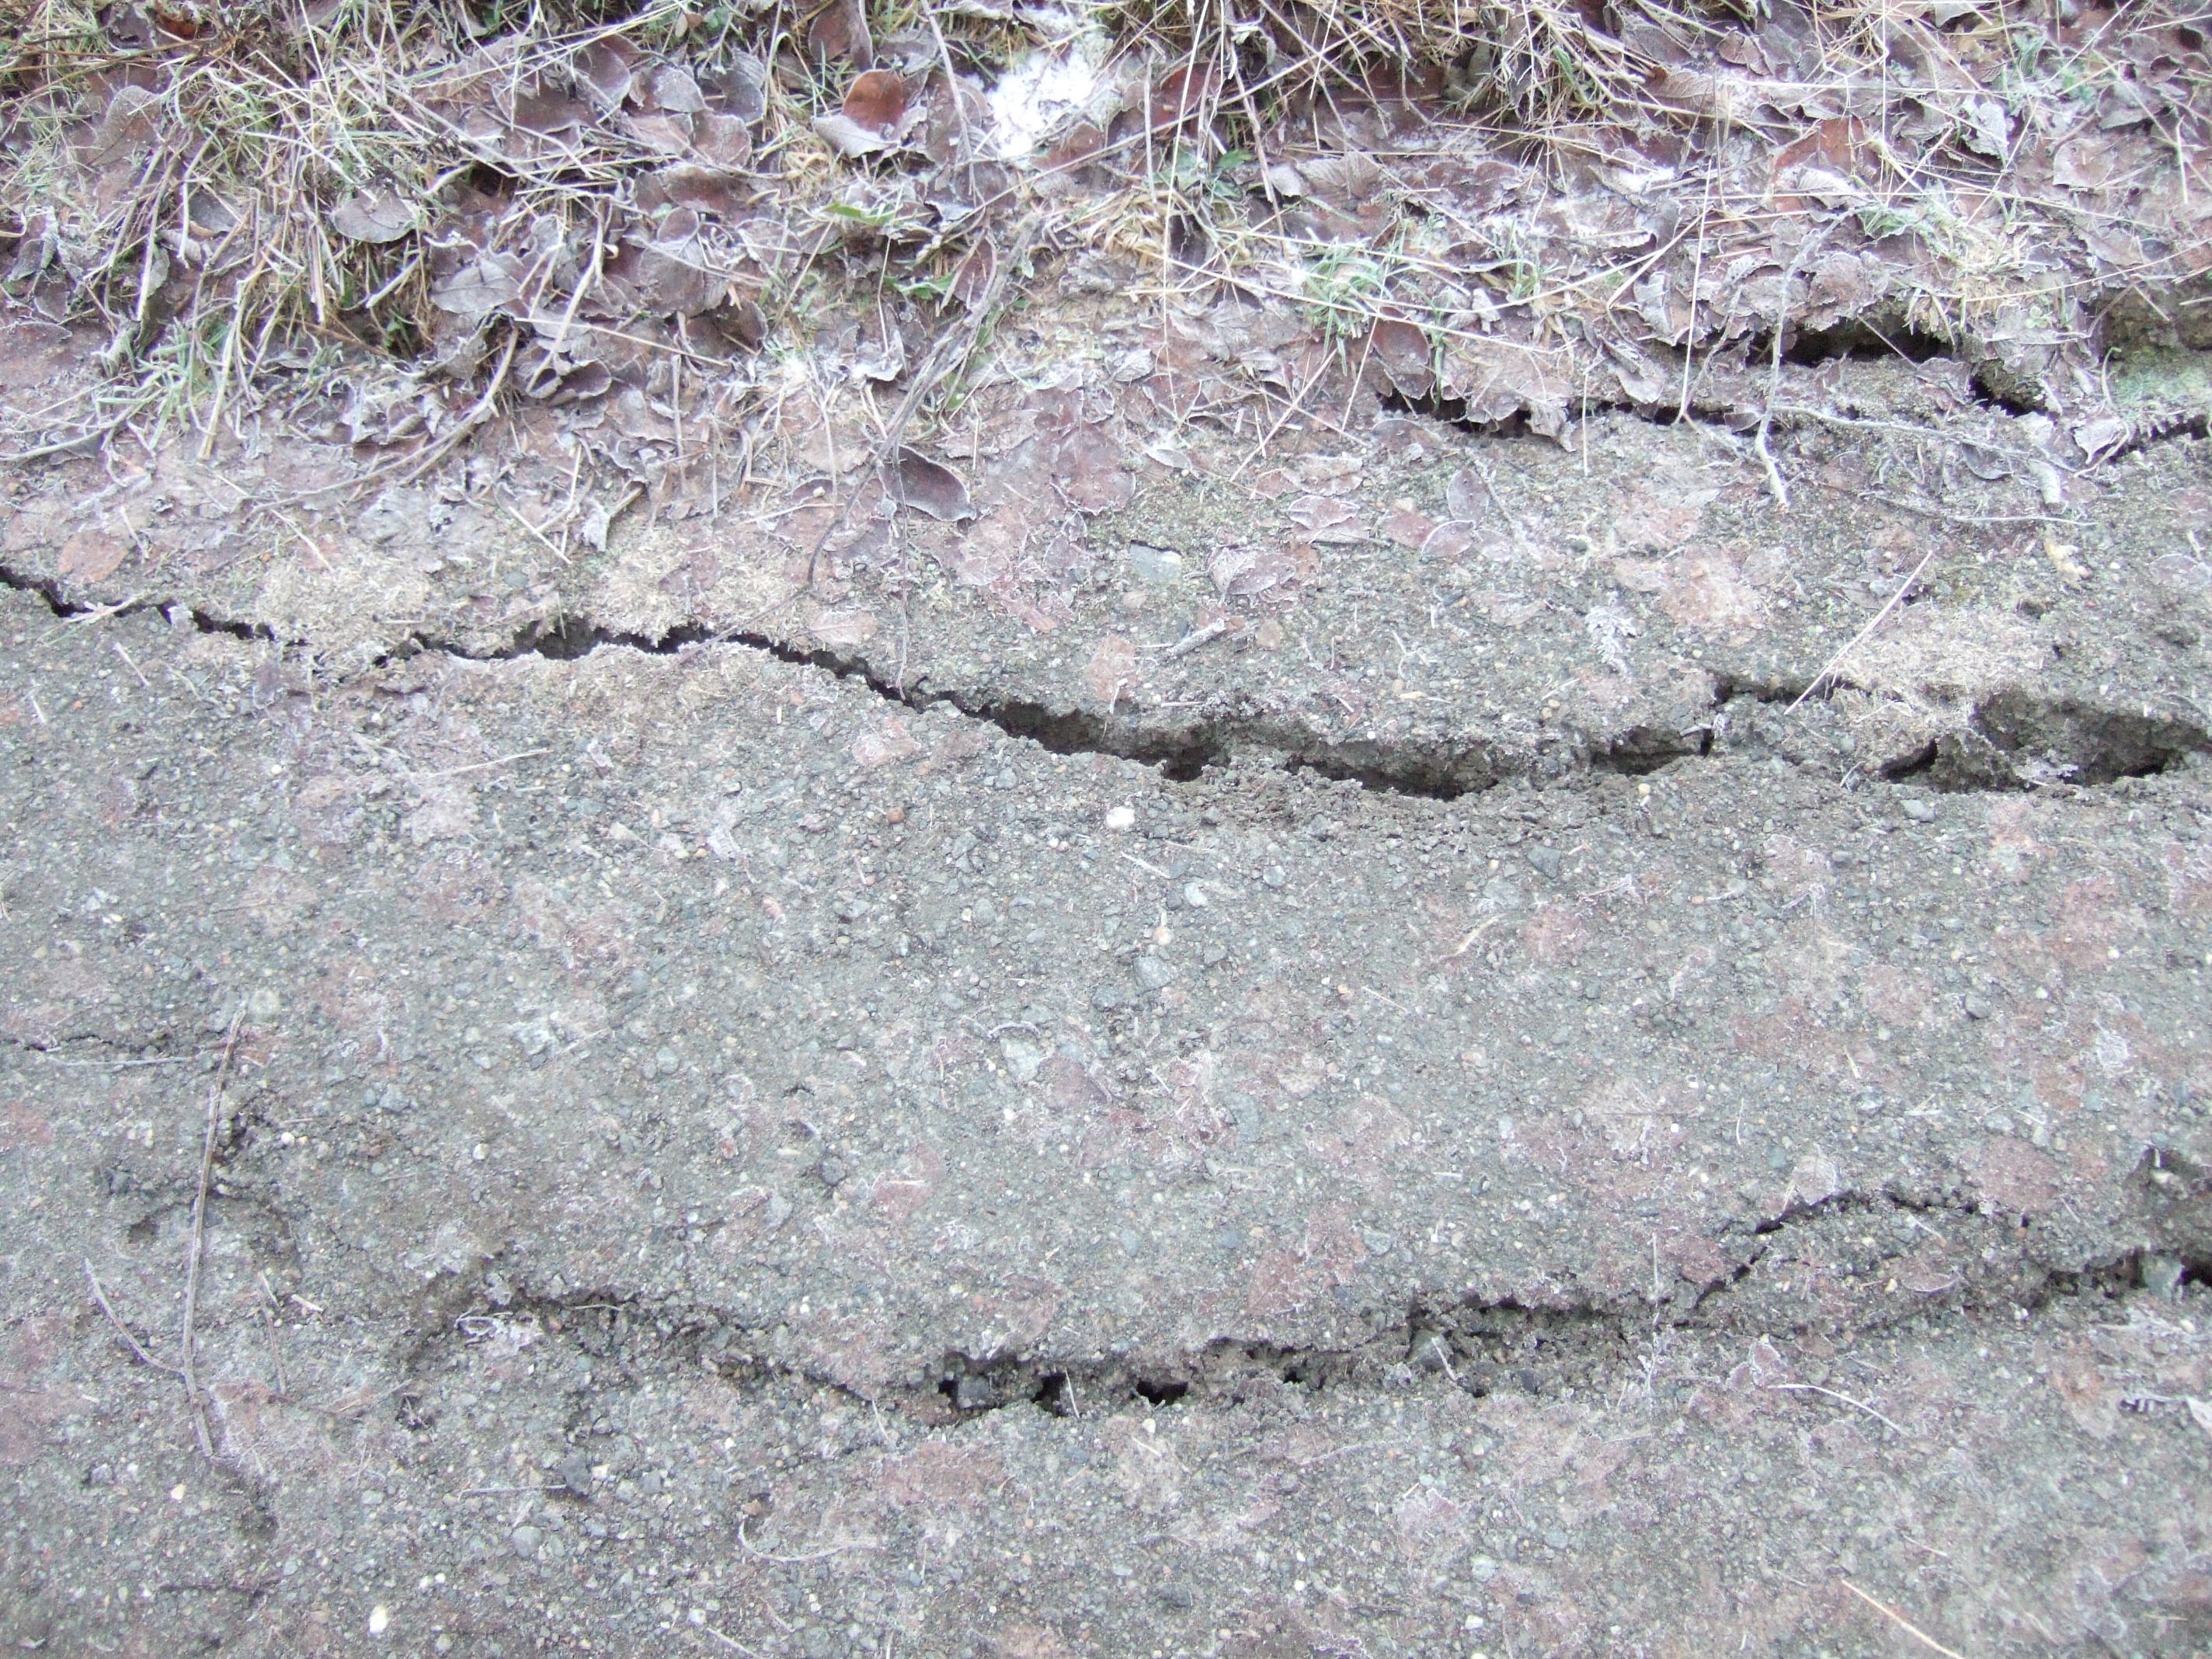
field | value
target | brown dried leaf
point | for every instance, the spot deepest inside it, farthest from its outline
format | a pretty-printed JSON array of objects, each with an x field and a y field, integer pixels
[
  {"x": 1112, "y": 669},
  {"x": 1447, "y": 544},
  {"x": 724, "y": 140},
  {"x": 666, "y": 134},
  {"x": 91, "y": 556},
  {"x": 1403, "y": 349},
  {"x": 1238, "y": 571},
  {"x": 1091, "y": 473},
  {"x": 839, "y": 30},
  {"x": 841, "y": 630},
  {"x": 876, "y": 102},
  {"x": 372, "y": 216},
  {"x": 2085, "y": 161},
  {"x": 606, "y": 68},
  {"x": 847, "y": 137},
  {"x": 1189, "y": 91},
  {"x": 917, "y": 482},
  {"x": 743, "y": 87},
  {"x": 482, "y": 285},
  {"x": 726, "y": 195},
  {"x": 1326, "y": 519},
  {"x": 676, "y": 92}
]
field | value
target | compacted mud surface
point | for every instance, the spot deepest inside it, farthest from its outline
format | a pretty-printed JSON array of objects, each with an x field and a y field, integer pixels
[
  {"x": 989, "y": 834},
  {"x": 1512, "y": 1103}
]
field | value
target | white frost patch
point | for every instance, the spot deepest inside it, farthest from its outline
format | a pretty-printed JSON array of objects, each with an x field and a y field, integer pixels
[{"x": 1044, "y": 88}]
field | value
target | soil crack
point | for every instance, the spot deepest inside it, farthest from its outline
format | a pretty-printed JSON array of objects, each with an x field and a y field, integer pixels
[{"x": 2091, "y": 745}]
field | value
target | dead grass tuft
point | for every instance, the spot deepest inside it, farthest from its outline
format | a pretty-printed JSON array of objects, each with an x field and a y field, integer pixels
[{"x": 1513, "y": 207}]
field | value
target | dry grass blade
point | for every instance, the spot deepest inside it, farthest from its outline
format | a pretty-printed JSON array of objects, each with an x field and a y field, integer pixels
[
  {"x": 1902, "y": 1622},
  {"x": 136, "y": 1347},
  {"x": 1829, "y": 667}
]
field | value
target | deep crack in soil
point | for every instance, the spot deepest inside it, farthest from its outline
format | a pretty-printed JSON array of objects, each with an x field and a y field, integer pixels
[{"x": 2101, "y": 745}]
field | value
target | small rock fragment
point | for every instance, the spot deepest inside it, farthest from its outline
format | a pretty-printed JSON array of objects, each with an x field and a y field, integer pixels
[
  {"x": 1120, "y": 819},
  {"x": 2161, "y": 1277},
  {"x": 576, "y": 1474}
]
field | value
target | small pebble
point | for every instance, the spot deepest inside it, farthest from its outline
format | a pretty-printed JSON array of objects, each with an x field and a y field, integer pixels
[
  {"x": 1920, "y": 811},
  {"x": 576, "y": 1474},
  {"x": 1274, "y": 878},
  {"x": 379, "y": 1619},
  {"x": 1152, "y": 973},
  {"x": 832, "y": 1171},
  {"x": 1194, "y": 894},
  {"x": 526, "y": 1540},
  {"x": 1177, "y": 1596},
  {"x": 1121, "y": 817}
]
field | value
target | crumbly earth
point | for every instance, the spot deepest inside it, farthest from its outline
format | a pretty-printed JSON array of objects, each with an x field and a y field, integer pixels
[{"x": 1452, "y": 1114}]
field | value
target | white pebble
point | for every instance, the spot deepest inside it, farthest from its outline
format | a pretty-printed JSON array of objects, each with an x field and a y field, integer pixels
[
  {"x": 1121, "y": 817},
  {"x": 379, "y": 1619}
]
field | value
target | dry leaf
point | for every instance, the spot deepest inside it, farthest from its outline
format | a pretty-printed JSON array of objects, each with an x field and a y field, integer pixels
[
  {"x": 1403, "y": 350},
  {"x": 847, "y": 137},
  {"x": 917, "y": 482},
  {"x": 484, "y": 284},
  {"x": 876, "y": 102},
  {"x": 1242, "y": 572},
  {"x": 675, "y": 91},
  {"x": 1326, "y": 519},
  {"x": 91, "y": 556},
  {"x": 372, "y": 216},
  {"x": 839, "y": 30},
  {"x": 1112, "y": 667},
  {"x": 841, "y": 630},
  {"x": 605, "y": 68}
]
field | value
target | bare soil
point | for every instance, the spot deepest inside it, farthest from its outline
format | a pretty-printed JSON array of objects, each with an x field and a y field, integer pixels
[{"x": 1291, "y": 959}]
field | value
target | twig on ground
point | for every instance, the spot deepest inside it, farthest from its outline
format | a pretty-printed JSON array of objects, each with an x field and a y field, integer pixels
[
  {"x": 729, "y": 1642},
  {"x": 1814, "y": 1388},
  {"x": 1901, "y": 1622},
  {"x": 122, "y": 1329},
  {"x": 1197, "y": 636},
  {"x": 1806, "y": 250},
  {"x": 479, "y": 766},
  {"x": 1859, "y": 638},
  {"x": 756, "y": 1551},
  {"x": 190, "y": 1371}
]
